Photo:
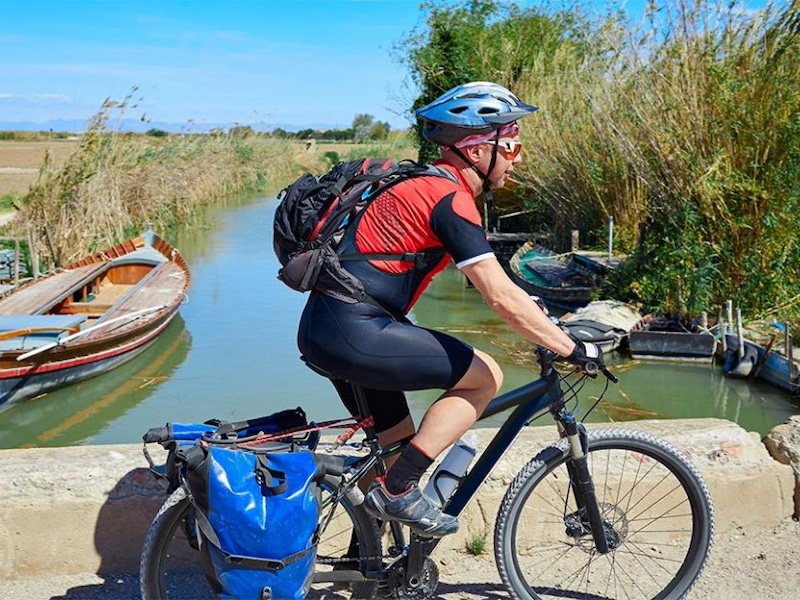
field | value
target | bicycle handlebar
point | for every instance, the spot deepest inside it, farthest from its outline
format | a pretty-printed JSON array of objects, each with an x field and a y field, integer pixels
[{"x": 592, "y": 369}]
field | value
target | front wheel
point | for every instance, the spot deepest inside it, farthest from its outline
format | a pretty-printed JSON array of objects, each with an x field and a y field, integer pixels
[
  {"x": 656, "y": 513},
  {"x": 172, "y": 567}
]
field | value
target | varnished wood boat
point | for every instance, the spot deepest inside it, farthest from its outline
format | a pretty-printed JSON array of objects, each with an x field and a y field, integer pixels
[{"x": 88, "y": 317}]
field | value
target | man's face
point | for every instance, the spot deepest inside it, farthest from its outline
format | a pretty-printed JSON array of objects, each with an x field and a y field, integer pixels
[{"x": 508, "y": 154}]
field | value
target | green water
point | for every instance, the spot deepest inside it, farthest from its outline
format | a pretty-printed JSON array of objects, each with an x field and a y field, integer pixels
[{"x": 232, "y": 355}]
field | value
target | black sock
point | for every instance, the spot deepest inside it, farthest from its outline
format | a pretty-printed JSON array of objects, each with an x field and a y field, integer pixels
[{"x": 406, "y": 472}]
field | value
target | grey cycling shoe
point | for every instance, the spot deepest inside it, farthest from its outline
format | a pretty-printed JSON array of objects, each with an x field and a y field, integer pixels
[{"x": 411, "y": 508}]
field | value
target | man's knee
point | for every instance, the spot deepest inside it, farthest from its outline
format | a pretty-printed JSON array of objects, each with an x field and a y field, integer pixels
[{"x": 484, "y": 377}]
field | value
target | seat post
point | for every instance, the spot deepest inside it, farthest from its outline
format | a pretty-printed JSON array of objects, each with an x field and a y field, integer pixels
[{"x": 371, "y": 438}]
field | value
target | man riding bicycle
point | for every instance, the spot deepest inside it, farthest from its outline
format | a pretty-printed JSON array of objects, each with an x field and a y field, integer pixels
[{"x": 371, "y": 344}]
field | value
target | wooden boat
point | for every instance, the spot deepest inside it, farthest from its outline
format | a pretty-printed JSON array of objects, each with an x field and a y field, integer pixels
[
  {"x": 553, "y": 277},
  {"x": 753, "y": 360},
  {"x": 88, "y": 317},
  {"x": 672, "y": 339},
  {"x": 605, "y": 323}
]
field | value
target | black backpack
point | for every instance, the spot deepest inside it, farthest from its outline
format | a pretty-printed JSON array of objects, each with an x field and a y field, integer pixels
[{"x": 315, "y": 212}]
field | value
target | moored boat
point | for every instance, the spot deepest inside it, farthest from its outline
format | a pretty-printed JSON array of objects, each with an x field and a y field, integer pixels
[
  {"x": 673, "y": 339},
  {"x": 605, "y": 323},
  {"x": 88, "y": 317},
  {"x": 553, "y": 277},
  {"x": 753, "y": 360}
]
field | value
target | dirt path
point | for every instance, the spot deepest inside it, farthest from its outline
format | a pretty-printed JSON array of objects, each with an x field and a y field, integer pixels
[{"x": 755, "y": 564}]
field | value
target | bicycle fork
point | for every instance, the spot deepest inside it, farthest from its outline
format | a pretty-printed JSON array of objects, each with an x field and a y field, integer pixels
[{"x": 588, "y": 512}]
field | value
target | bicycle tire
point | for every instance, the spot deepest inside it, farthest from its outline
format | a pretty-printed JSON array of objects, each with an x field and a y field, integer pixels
[
  {"x": 170, "y": 568},
  {"x": 653, "y": 501}
]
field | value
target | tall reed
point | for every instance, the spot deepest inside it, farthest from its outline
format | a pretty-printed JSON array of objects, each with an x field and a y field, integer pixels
[{"x": 686, "y": 129}]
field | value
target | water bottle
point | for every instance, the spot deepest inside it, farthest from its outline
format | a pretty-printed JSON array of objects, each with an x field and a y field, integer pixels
[{"x": 451, "y": 470}]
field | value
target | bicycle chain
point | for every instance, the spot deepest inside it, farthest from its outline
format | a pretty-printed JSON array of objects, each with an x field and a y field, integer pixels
[{"x": 343, "y": 559}]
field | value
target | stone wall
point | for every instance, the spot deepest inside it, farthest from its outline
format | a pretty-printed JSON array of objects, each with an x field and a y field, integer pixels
[{"x": 87, "y": 508}]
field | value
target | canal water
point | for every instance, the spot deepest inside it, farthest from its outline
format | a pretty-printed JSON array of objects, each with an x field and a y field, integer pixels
[{"x": 232, "y": 355}]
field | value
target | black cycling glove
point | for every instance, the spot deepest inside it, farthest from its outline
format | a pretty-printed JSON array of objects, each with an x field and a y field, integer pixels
[{"x": 587, "y": 356}]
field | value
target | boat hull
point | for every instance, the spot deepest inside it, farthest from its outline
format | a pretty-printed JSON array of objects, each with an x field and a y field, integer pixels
[
  {"x": 755, "y": 361},
  {"x": 542, "y": 273},
  {"x": 20, "y": 383},
  {"x": 672, "y": 346}
]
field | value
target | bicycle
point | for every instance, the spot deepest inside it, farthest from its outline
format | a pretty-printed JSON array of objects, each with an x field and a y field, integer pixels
[{"x": 604, "y": 513}]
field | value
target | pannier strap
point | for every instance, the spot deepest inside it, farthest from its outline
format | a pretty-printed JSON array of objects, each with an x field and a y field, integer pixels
[
  {"x": 266, "y": 476},
  {"x": 247, "y": 562}
]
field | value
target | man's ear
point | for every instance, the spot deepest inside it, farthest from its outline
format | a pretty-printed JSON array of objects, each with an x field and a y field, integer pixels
[{"x": 473, "y": 153}]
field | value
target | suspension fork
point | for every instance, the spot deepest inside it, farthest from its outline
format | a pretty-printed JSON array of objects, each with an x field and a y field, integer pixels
[{"x": 581, "y": 479}]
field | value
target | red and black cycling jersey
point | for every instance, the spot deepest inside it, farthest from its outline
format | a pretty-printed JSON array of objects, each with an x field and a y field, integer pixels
[{"x": 430, "y": 215}]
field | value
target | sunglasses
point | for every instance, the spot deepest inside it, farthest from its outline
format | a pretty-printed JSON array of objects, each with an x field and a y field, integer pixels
[{"x": 510, "y": 148}]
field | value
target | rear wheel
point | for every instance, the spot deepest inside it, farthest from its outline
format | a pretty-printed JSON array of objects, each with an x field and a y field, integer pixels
[
  {"x": 172, "y": 567},
  {"x": 656, "y": 513}
]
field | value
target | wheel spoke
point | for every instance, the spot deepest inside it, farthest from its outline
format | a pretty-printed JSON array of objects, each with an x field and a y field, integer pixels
[{"x": 647, "y": 494}]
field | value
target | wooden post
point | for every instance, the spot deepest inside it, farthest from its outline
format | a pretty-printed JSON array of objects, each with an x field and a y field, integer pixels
[
  {"x": 34, "y": 254},
  {"x": 740, "y": 332},
  {"x": 729, "y": 311},
  {"x": 610, "y": 238},
  {"x": 575, "y": 240}
]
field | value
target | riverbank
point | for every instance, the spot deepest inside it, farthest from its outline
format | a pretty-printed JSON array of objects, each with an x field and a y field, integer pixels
[{"x": 68, "y": 513}]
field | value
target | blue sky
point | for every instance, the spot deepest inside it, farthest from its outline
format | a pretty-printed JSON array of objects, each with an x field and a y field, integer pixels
[{"x": 276, "y": 62}]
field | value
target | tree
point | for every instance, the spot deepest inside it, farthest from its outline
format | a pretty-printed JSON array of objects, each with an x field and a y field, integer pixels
[
  {"x": 379, "y": 131},
  {"x": 482, "y": 40},
  {"x": 362, "y": 125}
]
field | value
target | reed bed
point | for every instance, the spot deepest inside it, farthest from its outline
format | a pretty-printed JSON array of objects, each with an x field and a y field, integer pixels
[
  {"x": 116, "y": 184},
  {"x": 685, "y": 130}
]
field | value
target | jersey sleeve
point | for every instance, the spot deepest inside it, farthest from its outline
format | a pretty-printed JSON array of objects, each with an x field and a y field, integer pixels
[{"x": 455, "y": 220}]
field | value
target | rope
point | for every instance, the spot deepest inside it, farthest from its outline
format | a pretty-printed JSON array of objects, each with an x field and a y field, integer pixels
[{"x": 352, "y": 424}]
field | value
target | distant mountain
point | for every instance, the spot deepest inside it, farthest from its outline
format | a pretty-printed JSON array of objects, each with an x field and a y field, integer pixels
[{"x": 137, "y": 126}]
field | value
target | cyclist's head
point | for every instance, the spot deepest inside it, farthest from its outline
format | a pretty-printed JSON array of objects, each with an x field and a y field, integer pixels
[{"x": 475, "y": 108}]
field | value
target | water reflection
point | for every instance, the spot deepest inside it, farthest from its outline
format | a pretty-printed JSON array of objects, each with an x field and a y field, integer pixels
[{"x": 70, "y": 415}]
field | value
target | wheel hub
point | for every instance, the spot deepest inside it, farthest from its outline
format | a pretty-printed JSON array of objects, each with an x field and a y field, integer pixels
[{"x": 615, "y": 525}]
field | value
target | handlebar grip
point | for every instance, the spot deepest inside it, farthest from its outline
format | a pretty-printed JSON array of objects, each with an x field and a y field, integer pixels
[
  {"x": 610, "y": 376},
  {"x": 592, "y": 369}
]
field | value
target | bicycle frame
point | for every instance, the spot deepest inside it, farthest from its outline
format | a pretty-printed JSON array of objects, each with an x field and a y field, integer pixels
[{"x": 530, "y": 400}]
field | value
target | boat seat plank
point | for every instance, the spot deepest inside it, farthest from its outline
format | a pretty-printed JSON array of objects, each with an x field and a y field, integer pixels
[{"x": 48, "y": 291}]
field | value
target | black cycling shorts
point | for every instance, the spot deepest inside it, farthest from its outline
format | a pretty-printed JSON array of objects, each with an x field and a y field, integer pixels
[{"x": 362, "y": 343}]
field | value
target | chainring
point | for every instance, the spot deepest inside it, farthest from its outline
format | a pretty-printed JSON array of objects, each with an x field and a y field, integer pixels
[{"x": 398, "y": 587}]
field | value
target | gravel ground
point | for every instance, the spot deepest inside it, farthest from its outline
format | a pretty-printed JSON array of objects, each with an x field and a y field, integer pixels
[{"x": 752, "y": 564}]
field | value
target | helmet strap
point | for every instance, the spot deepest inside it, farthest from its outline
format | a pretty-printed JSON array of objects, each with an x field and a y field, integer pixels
[{"x": 488, "y": 201}]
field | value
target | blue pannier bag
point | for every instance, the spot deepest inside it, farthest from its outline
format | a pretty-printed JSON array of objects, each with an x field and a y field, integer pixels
[{"x": 257, "y": 512}]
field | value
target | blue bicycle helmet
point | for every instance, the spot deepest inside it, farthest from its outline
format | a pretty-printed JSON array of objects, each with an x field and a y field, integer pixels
[{"x": 475, "y": 107}]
